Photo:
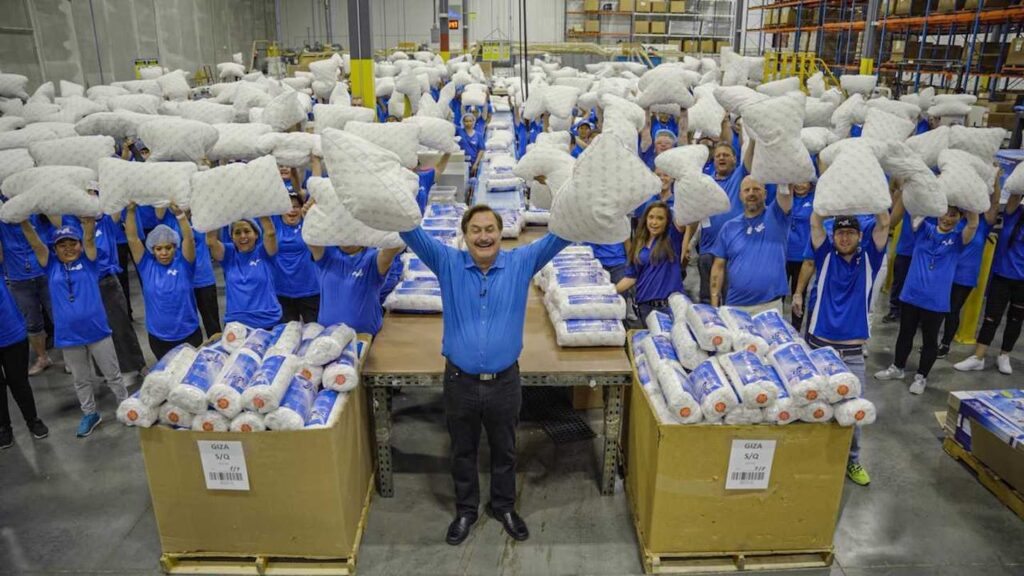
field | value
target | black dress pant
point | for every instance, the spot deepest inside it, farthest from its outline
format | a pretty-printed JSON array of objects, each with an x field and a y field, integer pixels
[
  {"x": 160, "y": 347},
  {"x": 900, "y": 269},
  {"x": 957, "y": 298},
  {"x": 911, "y": 318},
  {"x": 14, "y": 363},
  {"x": 492, "y": 405}
]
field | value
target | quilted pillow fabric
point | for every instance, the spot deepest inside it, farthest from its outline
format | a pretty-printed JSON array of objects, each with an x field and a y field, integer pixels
[
  {"x": 145, "y": 183},
  {"x": 178, "y": 139},
  {"x": 229, "y": 193}
]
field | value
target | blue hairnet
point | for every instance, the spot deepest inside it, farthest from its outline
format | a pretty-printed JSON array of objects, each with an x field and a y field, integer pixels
[
  {"x": 162, "y": 234},
  {"x": 668, "y": 133}
]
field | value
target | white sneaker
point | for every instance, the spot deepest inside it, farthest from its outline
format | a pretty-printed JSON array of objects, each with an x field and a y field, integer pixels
[
  {"x": 970, "y": 363},
  {"x": 1003, "y": 362},
  {"x": 919, "y": 384},
  {"x": 890, "y": 373}
]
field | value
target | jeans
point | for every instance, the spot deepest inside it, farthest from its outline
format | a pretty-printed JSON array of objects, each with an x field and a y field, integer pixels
[
  {"x": 126, "y": 341},
  {"x": 912, "y": 317},
  {"x": 33, "y": 299},
  {"x": 492, "y": 405},
  {"x": 957, "y": 297},
  {"x": 900, "y": 268},
  {"x": 1003, "y": 293},
  {"x": 103, "y": 354},
  {"x": 162, "y": 347},
  {"x": 14, "y": 361},
  {"x": 209, "y": 309},
  {"x": 306, "y": 308}
]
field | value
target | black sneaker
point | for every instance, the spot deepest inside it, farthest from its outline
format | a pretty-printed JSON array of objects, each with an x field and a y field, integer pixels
[
  {"x": 6, "y": 437},
  {"x": 38, "y": 429},
  {"x": 890, "y": 318},
  {"x": 943, "y": 351}
]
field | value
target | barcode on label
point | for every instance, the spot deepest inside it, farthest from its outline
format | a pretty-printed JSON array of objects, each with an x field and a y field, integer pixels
[
  {"x": 747, "y": 476},
  {"x": 226, "y": 476}
]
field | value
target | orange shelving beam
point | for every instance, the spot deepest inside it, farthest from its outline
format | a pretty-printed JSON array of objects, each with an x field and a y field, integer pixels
[{"x": 1014, "y": 14}]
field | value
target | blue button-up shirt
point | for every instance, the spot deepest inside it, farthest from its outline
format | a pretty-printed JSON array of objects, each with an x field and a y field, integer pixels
[{"x": 483, "y": 313}]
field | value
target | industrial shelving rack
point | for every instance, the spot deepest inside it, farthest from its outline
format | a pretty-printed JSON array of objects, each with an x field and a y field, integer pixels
[{"x": 703, "y": 20}]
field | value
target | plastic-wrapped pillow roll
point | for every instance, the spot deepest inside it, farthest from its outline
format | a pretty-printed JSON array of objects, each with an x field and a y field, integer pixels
[
  {"x": 774, "y": 329},
  {"x": 329, "y": 345},
  {"x": 679, "y": 303},
  {"x": 210, "y": 421},
  {"x": 841, "y": 383},
  {"x": 270, "y": 383},
  {"x": 744, "y": 415},
  {"x": 190, "y": 392},
  {"x": 327, "y": 409},
  {"x": 311, "y": 330},
  {"x": 314, "y": 374},
  {"x": 166, "y": 374},
  {"x": 594, "y": 306},
  {"x": 643, "y": 376},
  {"x": 782, "y": 412},
  {"x": 708, "y": 328},
  {"x": 288, "y": 340},
  {"x": 712, "y": 389},
  {"x": 653, "y": 390},
  {"x": 637, "y": 343},
  {"x": 417, "y": 296},
  {"x": 752, "y": 380},
  {"x": 342, "y": 375},
  {"x": 744, "y": 332},
  {"x": 556, "y": 293},
  {"x": 295, "y": 406},
  {"x": 855, "y": 412},
  {"x": 659, "y": 323},
  {"x": 584, "y": 278},
  {"x": 258, "y": 342},
  {"x": 689, "y": 352},
  {"x": 678, "y": 392},
  {"x": 225, "y": 394},
  {"x": 234, "y": 335},
  {"x": 248, "y": 422},
  {"x": 134, "y": 412},
  {"x": 583, "y": 333},
  {"x": 794, "y": 366},
  {"x": 175, "y": 416},
  {"x": 816, "y": 412},
  {"x": 658, "y": 350}
]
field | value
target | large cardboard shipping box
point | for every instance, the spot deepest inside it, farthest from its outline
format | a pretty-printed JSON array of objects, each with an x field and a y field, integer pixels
[
  {"x": 592, "y": 26},
  {"x": 707, "y": 47},
  {"x": 908, "y": 7},
  {"x": 677, "y": 479},
  {"x": 307, "y": 490},
  {"x": 947, "y": 6},
  {"x": 990, "y": 425},
  {"x": 642, "y": 27},
  {"x": 591, "y": 5},
  {"x": 658, "y": 27},
  {"x": 677, "y": 6},
  {"x": 1015, "y": 56},
  {"x": 659, "y": 6}
]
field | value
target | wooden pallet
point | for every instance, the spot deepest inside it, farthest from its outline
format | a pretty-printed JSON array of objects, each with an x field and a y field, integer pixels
[
  {"x": 1013, "y": 499},
  {"x": 228, "y": 564}
]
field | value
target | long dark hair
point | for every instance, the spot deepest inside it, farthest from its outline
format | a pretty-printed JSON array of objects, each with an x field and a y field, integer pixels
[{"x": 661, "y": 250}]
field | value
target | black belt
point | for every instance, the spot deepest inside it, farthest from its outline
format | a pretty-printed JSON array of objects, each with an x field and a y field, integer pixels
[
  {"x": 655, "y": 303},
  {"x": 844, "y": 350},
  {"x": 486, "y": 377}
]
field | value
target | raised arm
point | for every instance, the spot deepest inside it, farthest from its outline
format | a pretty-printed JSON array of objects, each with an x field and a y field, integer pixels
[
  {"x": 971, "y": 228},
  {"x": 880, "y": 235},
  {"x": 429, "y": 249},
  {"x": 717, "y": 277},
  {"x": 993, "y": 209},
  {"x": 385, "y": 257},
  {"x": 89, "y": 237},
  {"x": 40, "y": 249},
  {"x": 188, "y": 239},
  {"x": 442, "y": 164},
  {"x": 748, "y": 154},
  {"x": 625, "y": 284},
  {"x": 818, "y": 230},
  {"x": 784, "y": 198},
  {"x": 215, "y": 245},
  {"x": 543, "y": 250},
  {"x": 269, "y": 235},
  {"x": 1013, "y": 203},
  {"x": 131, "y": 230},
  {"x": 896, "y": 215}
]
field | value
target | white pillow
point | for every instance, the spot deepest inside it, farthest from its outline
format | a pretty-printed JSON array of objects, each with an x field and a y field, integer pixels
[
  {"x": 60, "y": 197},
  {"x": 337, "y": 116},
  {"x": 816, "y": 84},
  {"x": 8, "y": 123},
  {"x": 292, "y": 149},
  {"x": 178, "y": 139},
  {"x": 963, "y": 186},
  {"x": 929, "y": 144},
  {"x": 818, "y": 113},
  {"x": 237, "y": 142},
  {"x": 886, "y": 127},
  {"x": 247, "y": 96},
  {"x": 145, "y": 183},
  {"x": 230, "y": 70},
  {"x": 631, "y": 112},
  {"x": 982, "y": 142},
  {"x": 560, "y": 100},
  {"x": 474, "y": 98},
  {"x": 862, "y": 84},
  {"x": 559, "y": 140},
  {"x": 23, "y": 181},
  {"x": 173, "y": 84},
  {"x": 849, "y": 113},
  {"x": 876, "y": 147},
  {"x": 151, "y": 87},
  {"x": 854, "y": 184},
  {"x": 371, "y": 181},
  {"x": 207, "y": 112},
  {"x": 13, "y": 161},
  {"x": 398, "y": 137},
  {"x": 329, "y": 223},
  {"x": 682, "y": 161},
  {"x": 84, "y": 151},
  {"x": 117, "y": 125},
  {"x": 697, "y": 197},
  {"x": 734, "y": 98},
  {"x": 46, "y": 91},
  {"x": 817, "y": 138},
  {"x": 896, "y": 107},
  {"x": 36, "y": 132},
  {"x": 949, "y": 108},
  {"x": 922, "y": 194},
  {"x": 384, "y": 87},
  {"x": 1015, "y": 181},
  {"x": 780, "y": 87},
  {"x": 554, "y": 164},
  {"x": 283, "y": 112},
  {"x": 986, "y": 170},
  {"x": 39, "y": 111},
  {"x": 707, "y": 114},
  {"x": 534, "y": 105},
  {"x": 833, "y": 95},
  {"x": 325, "y": 70},
  {"x": 11, "y": 106},
  {"x": 665, "y": 84},
  {"x": 229, "y": 193},
  {"x": 13, "y": 86},
  {"x": 103, "y": 93},
  {"x": 435, "y": 133},
  {"x": 779, "y": 156}
]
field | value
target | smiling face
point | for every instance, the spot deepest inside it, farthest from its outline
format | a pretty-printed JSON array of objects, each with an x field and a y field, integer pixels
[
  {"x": 666, "y": 180},
  {"x": 285, "y": 172},
  {"x": 164, "y": 253},
  {"x": 68, "y": 250},
  {"x": 244, "y": 236},
  {"x": 468, "y": 121},
  {"x": 293, "y": 216},
  {"x": 663, "y": 143},
  {"x": 800, "y": 189},
  {"x": 846, "y": 240},
  {"x": 753, "y": 195},
  {"x": 949, "y": 220},
  {"x": 483, "y": 236},
  {"x": 584, "y": 131},
  {"x": 725, "y": 160},
  {"x": 657, "y": 221}
]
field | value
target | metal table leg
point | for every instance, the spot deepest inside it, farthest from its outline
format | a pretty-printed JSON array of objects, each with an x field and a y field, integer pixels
[
  {"x": 612, "y": 430},
  {"x": 382, "y": 432}
]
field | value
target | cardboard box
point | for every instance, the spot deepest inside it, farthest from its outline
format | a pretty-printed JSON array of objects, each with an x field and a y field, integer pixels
[
  {"x": 786, "y": 17},
  {"x": 627, "y": 6},
  {"x": 973, "y": 4},
  {"x": 677, "y": 477},
  {"x": 642, "y": 27},
  {"x": 591, "y": 5},
  {"x": 587, "y": 398},
  {"x": 659, "y": 6},
  {"x": 658, "y": 27},
  {"x": 592, "y": 26},
  {"x": 643, "y": 5},
  {"x": 707, "y": 46},
  {"x": 908, "y": 7},
  {"x": 947, "y": 6},
  {"x": 719, "y": 44},
  {"x": 1015, "y": 55},
  {"x": 990, "y": 425},
  {"x": 691, "y": 46},
  {"x": 677, "y": 6},
  {"x": 308, "y": 489}
]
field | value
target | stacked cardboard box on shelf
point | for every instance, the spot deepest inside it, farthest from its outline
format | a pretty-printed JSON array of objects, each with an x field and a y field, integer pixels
[{"x": 990, "y": 425}]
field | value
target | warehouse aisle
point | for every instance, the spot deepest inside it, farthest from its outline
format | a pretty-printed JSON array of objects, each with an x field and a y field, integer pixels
[{"x": 82, "y": 507}]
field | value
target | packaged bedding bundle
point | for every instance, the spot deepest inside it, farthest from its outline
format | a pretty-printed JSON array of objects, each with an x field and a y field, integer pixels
[
  {"x": 329, "y": 344},
  {"x": 342, "y": 375},
  {"x": 798, "y": 373},
  {"x": 270, "y": 383},
  {"x": 287, "y": 338},
  {"x": 415, "y": 296},
  {"x": 659, "y": 323},
  {"x": 784, "y": 410},
  {"x": 840, "y": 383},
  {"x": 712, "y": 389},
  {"x": 586, "y": 332},
  {"x": 415, "y": 269},
  {"x": 234, "y": 335},
  {"x": 751, "y": 379},
  {"x": 166, "y": 374},
  {"x": 225, "y": 394},
  {"x": 294, "y": 407},
  {"x": 774, "y": 330},
  {"x": 538, "y": 216},
  {"x": 743, "y": 330},
  {"x": 175, "y": 416},
  {"x": 326, "y": 409},
  {"x": 248, "y": 422},
  {"x": 744, "y": 415},
  {"x": 134, "y": 412},
  {"x": 678, "y": 392},
  {"x": 210, "y": 421},
  {"x": 658, "y": 350},
  {"x": 855, "y": 412},
  {"x": 590, "y": 306},
  {"x": 816, "y": 412},
  {"x": 711, "y": 332},
  {"x": 190, "y": 392},
  {"x": 653, "y": 390}
]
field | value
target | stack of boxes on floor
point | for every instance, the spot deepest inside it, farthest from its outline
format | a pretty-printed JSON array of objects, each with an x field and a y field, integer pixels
[{"x": 990, "y": 425}]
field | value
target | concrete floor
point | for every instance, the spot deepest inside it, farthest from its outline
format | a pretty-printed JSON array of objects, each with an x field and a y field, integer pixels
[{"x": 71, "y": 506}]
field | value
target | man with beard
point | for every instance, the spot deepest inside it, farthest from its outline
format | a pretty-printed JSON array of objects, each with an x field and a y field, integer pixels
[{"x": 483, "y": 292}]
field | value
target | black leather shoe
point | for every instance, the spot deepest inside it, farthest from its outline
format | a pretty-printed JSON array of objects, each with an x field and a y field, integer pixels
[
  {"x": 511, "y": 522},
  {"x": 458, "y": 530}
]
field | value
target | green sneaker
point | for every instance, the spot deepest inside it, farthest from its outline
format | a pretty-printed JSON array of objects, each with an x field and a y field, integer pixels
[{"x": 858, "y": 474}]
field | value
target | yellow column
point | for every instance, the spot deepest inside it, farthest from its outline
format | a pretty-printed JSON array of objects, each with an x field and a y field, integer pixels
[
  {"x": 970, "y": 315},
  {"x": 867, "y": 65},
  {"x": 361, "y": 80},
  {"x": 892, "y": 256}
]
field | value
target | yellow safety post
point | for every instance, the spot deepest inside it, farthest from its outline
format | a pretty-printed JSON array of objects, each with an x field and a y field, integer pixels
[
  {"x": 867, "y": 65},
  {"x": 970, "y": 314},
  {"x": 887, "y": 287},
  {"x": 361, "y": 80}
]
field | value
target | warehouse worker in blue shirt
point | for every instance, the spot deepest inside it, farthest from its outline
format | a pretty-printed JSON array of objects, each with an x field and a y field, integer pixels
[
  {"x": 483, "y": 292},
  {"x": 750, "y": 252}
]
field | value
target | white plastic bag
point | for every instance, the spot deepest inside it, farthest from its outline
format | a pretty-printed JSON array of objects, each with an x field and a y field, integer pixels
[
  {"x": 225, "y": 393},
  {"x": 743, "y": 331},
  {"x": 342, "y": 375},
  {"x": 248, "y": 422},
  {"x": 134, "y": 412},
  {"x": 677, "y": 391},
  {"x": 797, "y": 371},
  {"x": 287, "y": 338},
  {"x": 586, "y": 333},
  {"x": 711, "y": 332},
  {"x": 210, "y": 421},
  {"x": 855, "y": 412},
  {"x": 751, "y": 378},
  {"x": 841, "y": 383}
]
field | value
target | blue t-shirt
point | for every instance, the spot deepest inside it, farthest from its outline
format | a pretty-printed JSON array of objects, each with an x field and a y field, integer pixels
[
  {"x": 12, "y": 323},
  {"x": 106, "y": 246},
  {"x": 471, "y": 145},
  {"x": 294, "y": 270},
  {"x": 867, "y": 226},
  {"x": 968, "y": 266},
  {"x": 932, "y": 268},
  {"x": 657, "y": 126},
  {"x": 1009, "y": 257},
  {"x": 754, "y": 250},
  {"x": 79, "y": 317},
  {"x": 922, "y": 126},
  {"x": 639, "y": 212},
  {"x": 709, "y": 227},
  {"x": 351, "y": 289},
  {"x": 576, "y": 151},
  {"x": 856, "y": 130},
  {"x": 146, "y": 218},
  {"x": 169, "y": 297},
  {"x": 842, "y": 293},
  {"x": 800, "y": 227},
  {"x": 426, "y": 177},
  {"x": 657, "y": 280},
  {"x": 905, "y": 243},
  {"x": 204, "y": 263},
  {"x": 609, "y": 255},
  {"x": 19, "y": 260},
  {"x": 249, "y": 286}
]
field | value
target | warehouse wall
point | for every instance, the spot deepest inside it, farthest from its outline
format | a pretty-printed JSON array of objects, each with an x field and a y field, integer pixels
[{"x": 55, "y": 39}]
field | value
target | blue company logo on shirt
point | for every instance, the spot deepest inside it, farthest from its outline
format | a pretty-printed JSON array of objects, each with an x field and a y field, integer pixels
[{"x": 759, "y": 228}]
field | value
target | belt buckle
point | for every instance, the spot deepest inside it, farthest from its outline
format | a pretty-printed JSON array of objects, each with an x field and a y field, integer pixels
[{"x": 486, "y": 377}]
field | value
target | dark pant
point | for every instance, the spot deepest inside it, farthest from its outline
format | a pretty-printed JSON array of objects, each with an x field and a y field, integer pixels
[
  {"x": 793, "y": 275},
  {"x": 643, "y": 309},
  {"x": 1003, "y": 292},
  {"x": 957, "y": 297},
  {"x": 14, "y": 362},
  {"x": 126, "y": 341},
  {"x": 900, "y": 268},
  {"x": 162, "y": 347},
  {"x": 493, "y": 405},
  {"x": 306, "y": 309},
  {"x": 124, "y": 256},
  {"x": 209, "y": 310},
  {"x": 912, "y": 317},
  {"x": 704, "y": 263}
]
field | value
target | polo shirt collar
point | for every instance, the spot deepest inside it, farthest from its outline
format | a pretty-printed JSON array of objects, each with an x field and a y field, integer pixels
[{"x": 499, "y": 262}]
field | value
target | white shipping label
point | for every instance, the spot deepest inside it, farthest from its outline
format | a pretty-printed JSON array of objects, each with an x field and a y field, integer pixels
[
  {"x": 750, "y": 464},
  {"x": 224, "y": 465}
]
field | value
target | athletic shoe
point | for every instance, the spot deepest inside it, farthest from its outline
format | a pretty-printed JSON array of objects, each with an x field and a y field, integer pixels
[
  {"x": 919, "y": 384},
  {"x": 1003, "y": 362},
  {"x": 88, "y": 424},
  {"x": 890, "y": 318},
  {"x": 943, "y": 351},
  {"x": 890, "y": 373},
  {"x": 41, "y": 364},
  {"x": 38, "y": 429},
  {"x": 970, "y": 363},
  {"x": 6, "y": 437},
  {"x": 857, "y": 473}
]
